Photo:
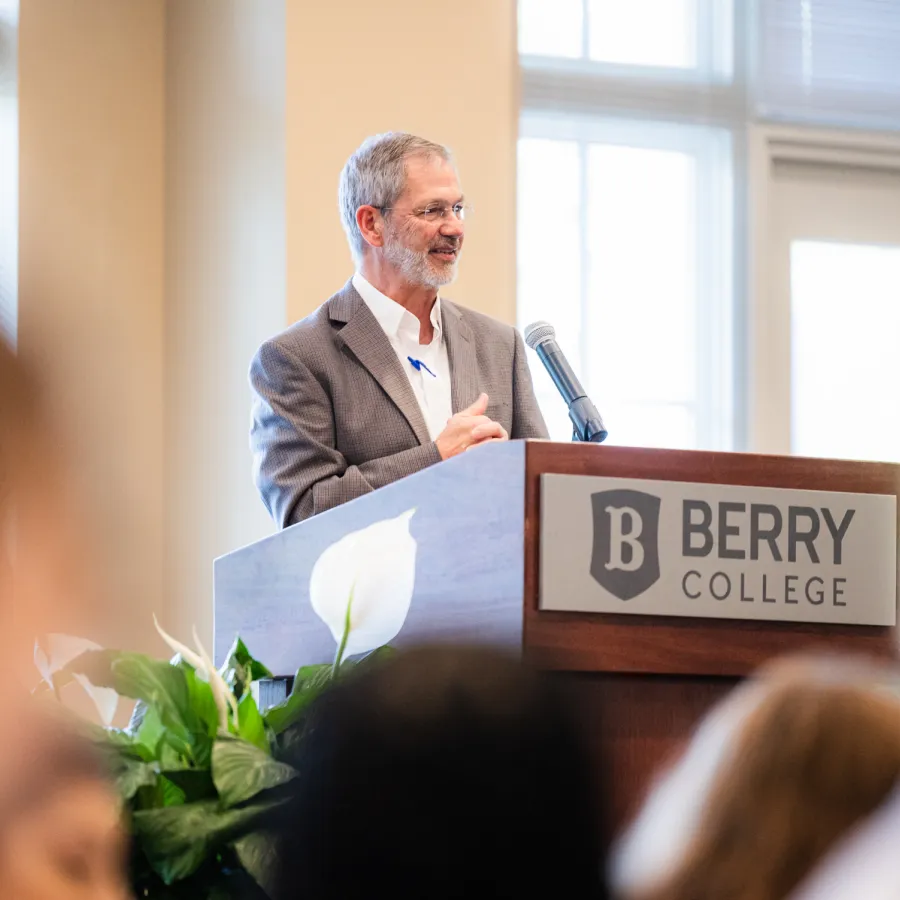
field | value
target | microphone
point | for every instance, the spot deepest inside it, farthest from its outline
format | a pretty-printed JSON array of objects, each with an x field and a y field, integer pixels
[{"x": 541, "y": 337}]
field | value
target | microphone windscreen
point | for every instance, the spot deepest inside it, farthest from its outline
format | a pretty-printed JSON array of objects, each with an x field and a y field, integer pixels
[{"x": 538, "y": 332}]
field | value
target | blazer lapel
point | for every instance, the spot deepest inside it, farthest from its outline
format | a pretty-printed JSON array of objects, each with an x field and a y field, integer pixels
[
  {"x": 461, "y": 354},
  {"x": 366, "y": 339}
]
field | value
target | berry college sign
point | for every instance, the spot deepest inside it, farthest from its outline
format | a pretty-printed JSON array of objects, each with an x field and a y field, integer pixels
[{"x": 717, "y": 551}]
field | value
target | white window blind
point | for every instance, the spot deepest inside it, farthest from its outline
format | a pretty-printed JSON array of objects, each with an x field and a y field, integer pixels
[{"x": 829, "y": 62}]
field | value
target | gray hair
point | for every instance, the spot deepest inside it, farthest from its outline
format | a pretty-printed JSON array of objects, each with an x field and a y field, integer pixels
[{"x": 375, "y": 175}]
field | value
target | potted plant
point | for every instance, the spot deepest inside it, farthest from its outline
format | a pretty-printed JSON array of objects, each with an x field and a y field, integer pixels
[{"x": 200, "y": 767}]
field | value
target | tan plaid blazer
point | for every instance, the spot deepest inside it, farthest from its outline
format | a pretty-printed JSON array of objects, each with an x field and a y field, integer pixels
[{"x": 334, "y": 414}]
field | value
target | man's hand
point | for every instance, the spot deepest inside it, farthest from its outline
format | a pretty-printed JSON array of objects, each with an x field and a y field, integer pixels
[{"x": 468, "y": 428}]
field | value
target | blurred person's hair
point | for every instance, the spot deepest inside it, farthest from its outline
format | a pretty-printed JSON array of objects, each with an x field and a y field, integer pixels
[
  {"x": 443, "y": 772},
  {"x": 774, "y": 776},
  {"x": 375, "y": 175},
  {"x": 863, "y": 864}
]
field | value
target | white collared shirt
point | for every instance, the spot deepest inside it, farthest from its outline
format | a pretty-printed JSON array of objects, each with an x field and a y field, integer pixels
[{"x": 431, "y": 383}]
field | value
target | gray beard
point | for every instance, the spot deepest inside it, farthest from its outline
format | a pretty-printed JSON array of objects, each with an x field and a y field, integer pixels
[{"x": 416, "y": 267}]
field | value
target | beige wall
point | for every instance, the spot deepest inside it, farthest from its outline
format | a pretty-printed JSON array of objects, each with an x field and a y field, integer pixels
[
  {"x": 165, "y": 146},
  {"x": 225, "y": 278},
  {"x": 91, "y": 271},
  {"x": 443, "y": 70}
]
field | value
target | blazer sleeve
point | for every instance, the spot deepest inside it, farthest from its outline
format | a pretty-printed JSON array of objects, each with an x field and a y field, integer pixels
[
  {"x": 296, "y": 466},
  {"x": 527, "y": 419}
]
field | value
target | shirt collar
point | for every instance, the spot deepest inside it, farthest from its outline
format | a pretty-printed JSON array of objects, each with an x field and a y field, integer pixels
[{"x": 390, "y": 315}]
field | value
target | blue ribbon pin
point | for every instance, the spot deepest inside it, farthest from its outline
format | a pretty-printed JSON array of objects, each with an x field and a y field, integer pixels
[{"x": 418, "y": 365}]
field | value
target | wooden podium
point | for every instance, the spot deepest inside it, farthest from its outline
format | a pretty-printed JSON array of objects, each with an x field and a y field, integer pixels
[{"x": 643, "y": 680}]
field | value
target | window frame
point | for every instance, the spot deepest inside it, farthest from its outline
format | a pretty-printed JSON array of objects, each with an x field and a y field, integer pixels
[
  {"x": 585, "y": 89},
  {"x": 572, "y": 99},
  {"x": 769, "y": 334},
  {"x": 713, "y": 152}
]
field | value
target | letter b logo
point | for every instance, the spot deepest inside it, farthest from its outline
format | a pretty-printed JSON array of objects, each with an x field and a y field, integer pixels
[
  {"x": 625, "y": 525},
  {"x": 626, "y": 553}
]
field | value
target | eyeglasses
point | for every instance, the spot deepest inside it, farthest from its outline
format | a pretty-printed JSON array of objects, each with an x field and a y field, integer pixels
[{"x": 435, "y": 211}]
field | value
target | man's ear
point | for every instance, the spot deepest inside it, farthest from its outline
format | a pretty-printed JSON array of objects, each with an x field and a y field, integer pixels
[{"x": 371, "y": 225}]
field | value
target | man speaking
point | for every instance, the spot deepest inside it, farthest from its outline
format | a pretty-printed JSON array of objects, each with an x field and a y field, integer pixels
[{"x": 386, "y": 377}]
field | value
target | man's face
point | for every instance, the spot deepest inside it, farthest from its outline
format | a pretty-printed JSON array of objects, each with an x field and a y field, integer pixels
[{"x": 423, "y": 246}]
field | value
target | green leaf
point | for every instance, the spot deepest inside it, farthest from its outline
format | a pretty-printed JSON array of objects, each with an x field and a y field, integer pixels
[
  {"x": 206, "y": 713},
  {"x": 161, "y": 686},
  {"x": 170, "y": 794},
  {"x": 132, "y": 751},
  {"x": 281, "y": 716},
  {"x": 133, "y": 775},
  {"x": 238, "y": 652},
  {"x": 258, "y": 670},
  {"x": 218, "y": 892},
  {"x": 196, "y": 784},
  {"x": 179, "y": 744},
  {"x": 177, "y": 701},
  {"x": 309, "y": 683},
  {"x": 110, "y": 741},
  {"x": 176, "y": 840},
  {"x": 147, "y": 797},
  {"x": 240, "y": 771},
  {"x": 251, "y": 726},
  {"x": 202, "y": 701},
  {"x": 240, "y": 669},
  {"x": 378, "y": 656},
  {"x": 118, "y": 737},
  {"x": 313, "y": 676},
  {"x": 150, "y": 732},
  {"x": 95, "y": 664},
  {"x": 258, "y": 854},
  {"x": 169, "y": 757}
]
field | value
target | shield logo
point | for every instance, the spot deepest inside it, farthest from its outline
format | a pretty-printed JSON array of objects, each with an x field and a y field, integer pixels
[{"x": 625, "y": 560}]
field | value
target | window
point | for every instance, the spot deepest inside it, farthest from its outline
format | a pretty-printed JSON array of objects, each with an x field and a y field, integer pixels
[
  {"x": 626, "y": 212},
  {"x": 843, "y": 378},
  {"x": 613, "y": 220},
  {"x": 617, "y": 32},
  {"x": 9, "y": 169},
  {"x": 551, "y": 29},
  {"x": 829, "y": 306},
  {"x": 687, "y": 35},
  {"x": 650, "y": 129}
]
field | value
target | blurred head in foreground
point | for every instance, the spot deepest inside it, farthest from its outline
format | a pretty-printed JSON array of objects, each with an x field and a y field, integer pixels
[
  {"x": 61, "y": 836},
  {"x": 442, "y": 773},
  {"x": 60, "y": 821},
  {"x": 773, "y": 777},
  {"x": 43, "y": 560}
]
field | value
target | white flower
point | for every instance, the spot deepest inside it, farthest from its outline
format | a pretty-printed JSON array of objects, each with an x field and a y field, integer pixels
[
  {"x": 61, "y": 650},
  {"x": 371, "y": 571},
  {"x": 205, "y": 669}
]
